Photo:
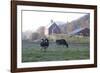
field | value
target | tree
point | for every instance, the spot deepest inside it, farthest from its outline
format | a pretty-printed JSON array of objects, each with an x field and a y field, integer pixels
[
  {"x": 41, "y": 31},
  {"x": 35, "y": 36}
]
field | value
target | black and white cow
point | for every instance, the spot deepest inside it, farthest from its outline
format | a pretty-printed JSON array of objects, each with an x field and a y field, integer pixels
[{"x": 44, "y": 44}]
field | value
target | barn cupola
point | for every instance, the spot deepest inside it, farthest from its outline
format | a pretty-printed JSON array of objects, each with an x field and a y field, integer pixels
[{"x": 52, "y": 21}]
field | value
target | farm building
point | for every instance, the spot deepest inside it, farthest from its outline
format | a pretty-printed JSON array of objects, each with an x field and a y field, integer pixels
[
  {"x": 55, "y": 28},
  {"x": 81, "y": 31}
]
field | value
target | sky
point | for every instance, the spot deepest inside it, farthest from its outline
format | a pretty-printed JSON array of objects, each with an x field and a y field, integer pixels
[{"x": 32, "y": 20}]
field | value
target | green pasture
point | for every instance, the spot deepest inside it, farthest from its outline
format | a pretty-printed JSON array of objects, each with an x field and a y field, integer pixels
[{"x": 31, "y": 52}]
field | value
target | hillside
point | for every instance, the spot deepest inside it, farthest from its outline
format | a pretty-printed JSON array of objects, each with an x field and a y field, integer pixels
[{"x": 80, "y": 23}]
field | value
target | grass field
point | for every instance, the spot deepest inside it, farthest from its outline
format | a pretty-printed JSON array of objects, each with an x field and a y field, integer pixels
[{"x": 31, "y": 52}]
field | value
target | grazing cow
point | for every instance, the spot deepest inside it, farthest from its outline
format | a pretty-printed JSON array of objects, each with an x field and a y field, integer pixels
[
  {"x": 44, "y": 44},
  {"x": 62, "y": 42}
]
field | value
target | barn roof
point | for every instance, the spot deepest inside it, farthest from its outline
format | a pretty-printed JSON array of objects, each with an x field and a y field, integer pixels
[{"x": 77, "y": 30}]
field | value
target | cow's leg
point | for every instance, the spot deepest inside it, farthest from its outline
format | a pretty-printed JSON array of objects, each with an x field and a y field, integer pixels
[
  {"x": 67, "y": 45},
  {"x": 41, "y": 48},
  {"x": 45, "y": 49}
]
